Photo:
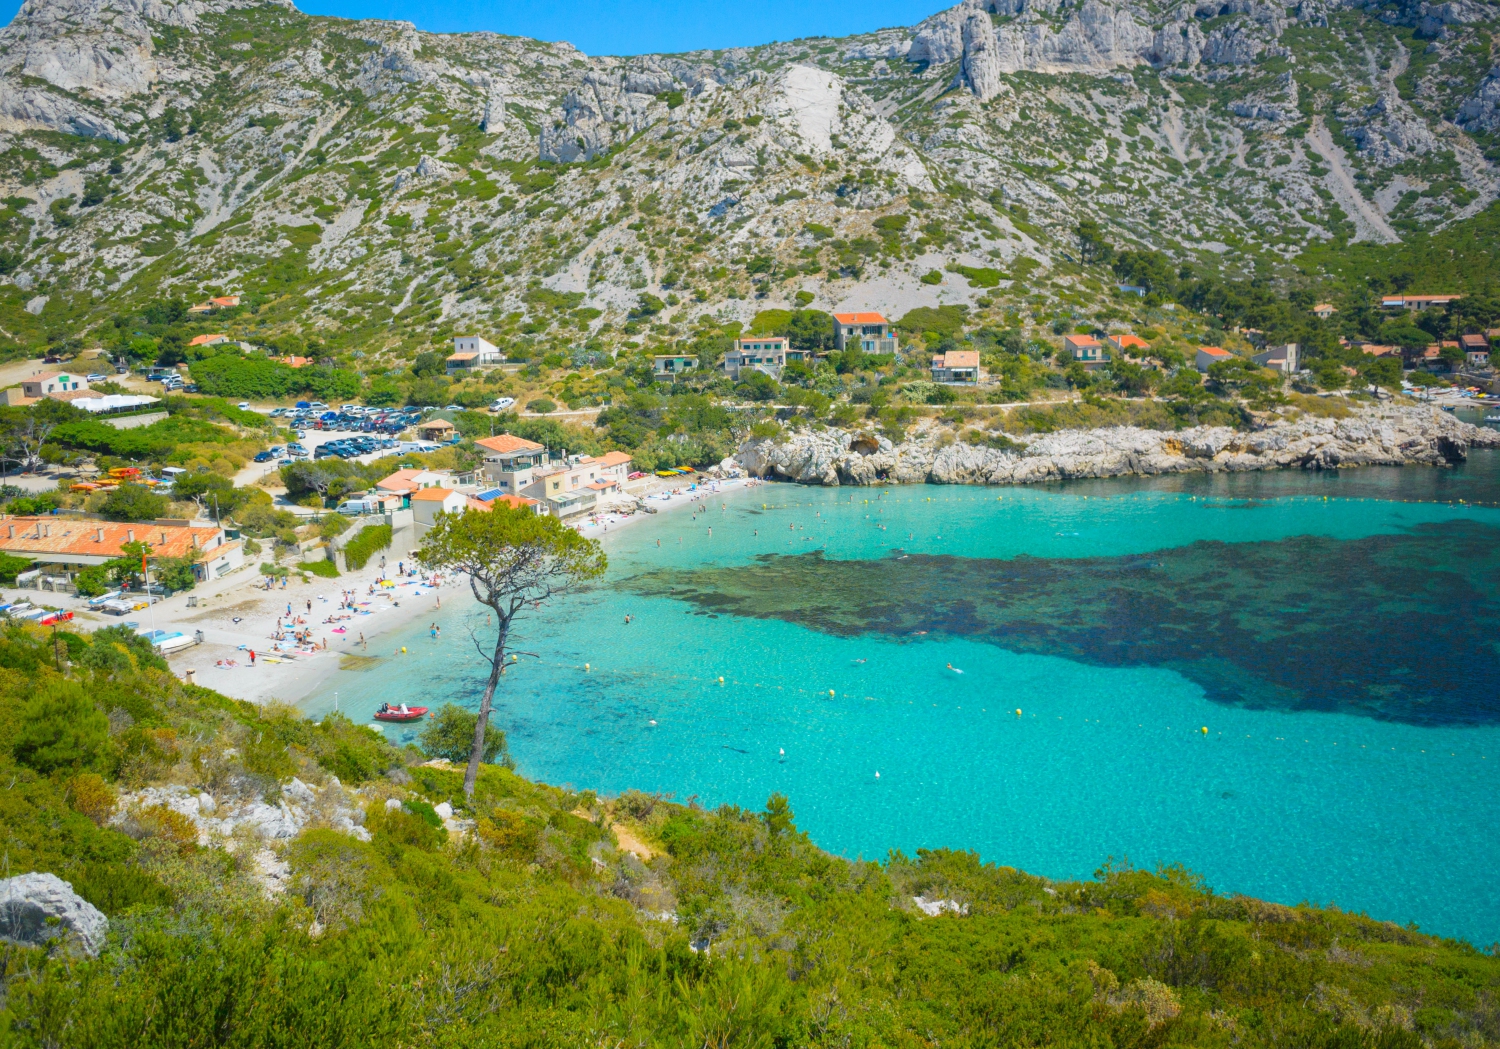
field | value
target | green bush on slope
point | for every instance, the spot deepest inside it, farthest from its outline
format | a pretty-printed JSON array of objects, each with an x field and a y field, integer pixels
[{"x": 734, "y": 929}]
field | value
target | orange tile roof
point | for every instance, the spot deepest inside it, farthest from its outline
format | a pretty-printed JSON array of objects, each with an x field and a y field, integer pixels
[
  {"x": 507, "y": 442},
  {"x": 516, "y": 501},
  {"x": 435, "y": 495},
  {"x": 206, "y": 340},
  {"x": 613, "y": 459},
  {"x": 400, "y": 481},
  {"x": 1130, "y": 342},
  {"x": 957, "y": 359},
  {"x": 1080, "y": 341},
  {"x": 859, "y": 318},
  {"x": 1214, "y": 351},
  {"x": 600, "y": 486},
  {"x": 40, "y": 536}
]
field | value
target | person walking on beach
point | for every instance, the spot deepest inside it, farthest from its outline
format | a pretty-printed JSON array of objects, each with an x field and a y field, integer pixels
[
  {"x": 252, "y": 657},
  {"x": 362, "y": 642}
]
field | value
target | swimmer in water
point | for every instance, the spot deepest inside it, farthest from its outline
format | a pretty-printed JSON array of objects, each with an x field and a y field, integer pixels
[{"x": 954, "y": 669}]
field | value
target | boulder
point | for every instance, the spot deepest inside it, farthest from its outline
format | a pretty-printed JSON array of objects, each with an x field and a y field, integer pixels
[{"x": 37, "y": 910}]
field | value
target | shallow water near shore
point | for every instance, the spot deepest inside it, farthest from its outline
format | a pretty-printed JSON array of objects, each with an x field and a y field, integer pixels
[{"x": 1336, "y": 634}]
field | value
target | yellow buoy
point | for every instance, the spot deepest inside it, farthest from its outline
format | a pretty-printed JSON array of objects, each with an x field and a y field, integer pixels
[
  {"x": 1018, "y": 712},
  {"x": 585, "y": 666},
  {"x": 721, "y": 680},
  {"x": 1205, "y": 730},
  {"x": 403, "y": 650},
  {"x": 830, "y": 692}
]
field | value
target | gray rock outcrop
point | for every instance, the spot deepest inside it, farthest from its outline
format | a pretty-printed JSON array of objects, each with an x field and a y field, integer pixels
[
  {"x": 38, "y": 910},
  {"x": 1481, "y": 112},
  {"x": 1388, "y": 436}
]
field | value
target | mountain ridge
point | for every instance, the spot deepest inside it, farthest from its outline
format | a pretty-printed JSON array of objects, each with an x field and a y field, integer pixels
[{"x": 375, "y": 187}]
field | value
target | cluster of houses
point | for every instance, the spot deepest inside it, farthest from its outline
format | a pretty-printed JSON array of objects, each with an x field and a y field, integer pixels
[
  {"x": 869, "y": 333},
  {"x": 515, "y": 471}
]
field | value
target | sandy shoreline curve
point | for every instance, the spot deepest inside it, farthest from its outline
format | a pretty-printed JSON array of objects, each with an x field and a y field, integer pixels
[{"x": 244, "y": 616}]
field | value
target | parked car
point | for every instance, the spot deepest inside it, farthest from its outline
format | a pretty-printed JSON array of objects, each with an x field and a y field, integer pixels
[
  {"x": 264, "y": 457},
  {"x": 502, "y": 404},
  {"x": 317, "y": 406},
  {"x": 358, "y": 506},
  {"x": 243, "y": 406},
  {"x": 97, "y": 377}
]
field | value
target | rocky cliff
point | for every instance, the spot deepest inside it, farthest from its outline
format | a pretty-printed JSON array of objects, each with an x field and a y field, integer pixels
[{"x": 1376, "y": 436}]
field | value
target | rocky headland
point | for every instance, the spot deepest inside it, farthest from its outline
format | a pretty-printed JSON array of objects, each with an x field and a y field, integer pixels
[{"x": 1380, "y": 435}]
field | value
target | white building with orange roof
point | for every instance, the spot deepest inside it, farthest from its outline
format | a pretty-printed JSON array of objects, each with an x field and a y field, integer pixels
[
  {"x": 867, "y": 332},
  {"x": 48, "y": 384},
  {"x": 511, "y": 463},
  {"x": 1211, "y": 355},
  {"x": 1127, "y": 343},
  {"x": 429, "y": 502},
  {"x": 72, "y": 543}
]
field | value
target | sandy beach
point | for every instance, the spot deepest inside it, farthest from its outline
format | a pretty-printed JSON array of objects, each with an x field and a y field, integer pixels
[{"x": 238, "y": 614}]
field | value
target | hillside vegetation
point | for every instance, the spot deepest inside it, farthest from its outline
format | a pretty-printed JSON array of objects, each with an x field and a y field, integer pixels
[{"x": 522, "y": 921}]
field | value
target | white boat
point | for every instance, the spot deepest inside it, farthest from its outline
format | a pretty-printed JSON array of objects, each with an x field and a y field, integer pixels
[{"x": 166, "y": 642}]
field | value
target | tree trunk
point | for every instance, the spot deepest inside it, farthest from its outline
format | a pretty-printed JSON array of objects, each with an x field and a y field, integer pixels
[{"x": 497, "y": 665}]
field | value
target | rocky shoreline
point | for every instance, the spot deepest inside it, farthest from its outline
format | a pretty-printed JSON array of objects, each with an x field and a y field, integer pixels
[{"x": 1378, "y": 435}]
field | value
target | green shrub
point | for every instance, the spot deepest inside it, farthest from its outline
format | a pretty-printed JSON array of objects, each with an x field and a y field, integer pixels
[
  {"x": 333, "y": 525},
  {"x": 370, "y": 540},
  {"x": 134, "y": 502},
  {"x": 449, "y": 733},
  {"x": 59, "y": 727},
  {"x": 12, "y": 566},
  {"x": 323, "y": 569}
]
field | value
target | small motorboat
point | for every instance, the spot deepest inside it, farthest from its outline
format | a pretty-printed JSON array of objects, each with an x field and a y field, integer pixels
[{"x": 401, "y": 713}]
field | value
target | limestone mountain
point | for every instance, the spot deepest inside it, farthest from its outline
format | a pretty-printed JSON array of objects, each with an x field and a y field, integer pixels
[{"x": 368, "y": 187}]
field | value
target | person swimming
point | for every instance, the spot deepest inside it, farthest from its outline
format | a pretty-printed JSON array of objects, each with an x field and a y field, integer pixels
[{"x": 954, "y": 669}]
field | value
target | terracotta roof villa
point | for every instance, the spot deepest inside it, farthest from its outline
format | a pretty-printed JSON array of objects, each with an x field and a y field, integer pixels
[{"x": 79, "y": 542}]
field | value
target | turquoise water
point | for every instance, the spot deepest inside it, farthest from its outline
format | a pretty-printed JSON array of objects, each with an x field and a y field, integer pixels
[{"x": 1381, "y": 588}]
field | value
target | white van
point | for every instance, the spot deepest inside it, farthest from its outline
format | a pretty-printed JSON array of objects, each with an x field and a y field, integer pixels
[{"x": 358, "y": 506}]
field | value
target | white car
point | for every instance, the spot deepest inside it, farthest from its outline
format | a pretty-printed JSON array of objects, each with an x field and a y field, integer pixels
[
  {"x": 96, "y": 377},
  {"x": 502, "y": 404},
  {"x": 243, "y": 406}
]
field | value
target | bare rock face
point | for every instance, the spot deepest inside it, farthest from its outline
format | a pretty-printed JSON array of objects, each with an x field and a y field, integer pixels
[
  {"x": 37, "y": 910},
  {"x": 983, "y": 65},
  {"x": 1387, "y": 436},
  {"x": 1481, "y": 112}
]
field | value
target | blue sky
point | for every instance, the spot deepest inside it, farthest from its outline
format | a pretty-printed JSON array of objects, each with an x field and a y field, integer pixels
[{"x": 631, "y": 27}]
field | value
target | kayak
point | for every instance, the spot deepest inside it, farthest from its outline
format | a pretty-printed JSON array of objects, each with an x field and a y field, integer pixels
[{"x": 394, "y": 714}]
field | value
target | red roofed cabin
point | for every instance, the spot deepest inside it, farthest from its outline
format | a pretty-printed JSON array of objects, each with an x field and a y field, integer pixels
[
  {"x": 1128, "y": 344},
  {"x": 867, "y": 332},
  {"x": 1210, "y": 355}
]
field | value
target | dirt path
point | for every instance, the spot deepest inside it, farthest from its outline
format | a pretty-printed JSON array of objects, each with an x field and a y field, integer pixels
[
  {"x": 630, "y": 843},
  {"x": 1369, "y": 223}
]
